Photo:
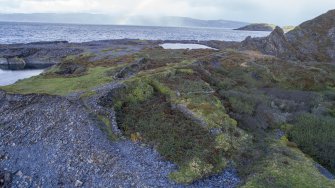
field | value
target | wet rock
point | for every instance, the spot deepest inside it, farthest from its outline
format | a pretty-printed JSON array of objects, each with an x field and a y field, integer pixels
[
  {"x": 325, "y": 172},
  {"x": 3, "y": 63},
  {"x": 40, "y": 63},
  {"x": 16, "y": 63},
  {"x": 50, "y": 42},
  {"x": 37, "y": 55}
]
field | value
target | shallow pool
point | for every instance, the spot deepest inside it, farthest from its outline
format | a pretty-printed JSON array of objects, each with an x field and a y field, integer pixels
[
  {"x": 184, "y": 46},
  {"x": 8, "y": 77}
]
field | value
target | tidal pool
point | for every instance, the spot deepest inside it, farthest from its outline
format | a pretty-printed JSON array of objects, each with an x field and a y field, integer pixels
[
  {"x": 8, "y": 77},
  {"x": 184, "y": 46}
]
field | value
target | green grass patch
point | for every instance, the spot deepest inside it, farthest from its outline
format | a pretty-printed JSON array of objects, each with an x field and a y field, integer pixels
[
  {"x": 176, "y": 137},
  {"x": 59, "y": 85},
  {"x": 286, "y": 167},
  {"x": 145, "y": 113},
  {"x": 107, "y": 127},
  {"x": 315, "y": 135}
]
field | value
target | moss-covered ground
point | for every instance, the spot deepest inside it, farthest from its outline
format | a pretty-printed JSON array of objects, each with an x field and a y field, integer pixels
[{"x": 203, "y": 109}]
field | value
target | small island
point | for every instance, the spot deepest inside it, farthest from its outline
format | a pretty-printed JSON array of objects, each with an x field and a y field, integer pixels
[
  {"x": 258, "y": 27},
  {"x": 264, "y": 27}
]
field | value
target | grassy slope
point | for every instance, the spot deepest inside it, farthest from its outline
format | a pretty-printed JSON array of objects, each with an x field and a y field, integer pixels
[
  {"x": 60, "y": 85},
  {"x": 203, "y": 142}
]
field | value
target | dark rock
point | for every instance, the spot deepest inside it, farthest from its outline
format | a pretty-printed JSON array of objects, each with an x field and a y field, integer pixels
[
  {"x": 37, "y": 55},
  {"x": 275, "y": 44},
  {"x": 67, "y": 69},
  {"x": 313, "y": 40},
  {"x": 50, "y": 42},
  {"x": 132, "y": 69},
  {"x": 3, "y": 63},
  {"x": 5, "y": 179},
  {"x": 16, "y": 63}
]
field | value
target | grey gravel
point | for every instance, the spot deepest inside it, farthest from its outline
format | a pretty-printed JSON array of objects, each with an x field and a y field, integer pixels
[{"x": 52, "y": 141}]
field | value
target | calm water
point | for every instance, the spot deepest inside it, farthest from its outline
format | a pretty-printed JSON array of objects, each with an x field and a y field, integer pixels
[
  {"x": 8, "y": 77},
  {"x": 184, "y": 46},
  {"x": 34, "y": 32}
]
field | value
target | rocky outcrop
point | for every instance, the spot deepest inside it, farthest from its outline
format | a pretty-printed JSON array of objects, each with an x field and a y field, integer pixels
[
  {"x": 313, "y": 40},
  {"x": 35, "y": 55},
  {"x": 12, "y": 63},
  {"x": 70, "y": 69},
  {"x": 16, "y": 63},
  {"x": 275, "y": 44},
  {"x": 3, "y": 63},
  {"x": 132, "y": 69}
]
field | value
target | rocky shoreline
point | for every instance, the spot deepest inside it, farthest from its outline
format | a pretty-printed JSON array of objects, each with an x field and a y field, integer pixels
[{"x": 298, "y": 44}]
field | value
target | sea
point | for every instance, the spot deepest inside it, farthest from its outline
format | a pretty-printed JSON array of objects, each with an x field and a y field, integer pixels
[
  {"x": 35, "y": 32},
  {"x": 12, "y": 33}
]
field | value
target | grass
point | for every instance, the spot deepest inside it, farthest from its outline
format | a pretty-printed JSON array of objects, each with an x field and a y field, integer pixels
[
  {"x": 59, "y": 85},
  {"x": 315, "y": 136},
  {"x": 241, "y": 102},
  {"x": 176, "y": 137},
  {"x": 209, "y": 84},
  {"x": 145, "y": 113},
  {"x": 107, "y": 127},
  {"x": 286, "y": 167}
]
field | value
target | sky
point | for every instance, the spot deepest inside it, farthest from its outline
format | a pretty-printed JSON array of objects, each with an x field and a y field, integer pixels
[{"x": 280, "y": 12}]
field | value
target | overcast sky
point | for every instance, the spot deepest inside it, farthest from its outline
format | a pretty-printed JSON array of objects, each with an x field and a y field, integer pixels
[{"x": 282, "y": 12}]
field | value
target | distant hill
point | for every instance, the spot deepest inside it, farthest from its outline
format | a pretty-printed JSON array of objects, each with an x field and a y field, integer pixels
[
  {"x": 83, "y": 18},
  {"x": 185, "y": 22},
  {"x": 80, "y": 18}
]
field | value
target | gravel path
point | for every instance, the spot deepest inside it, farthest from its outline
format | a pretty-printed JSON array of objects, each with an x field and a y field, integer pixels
[{"x": 51, "y": 141}]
